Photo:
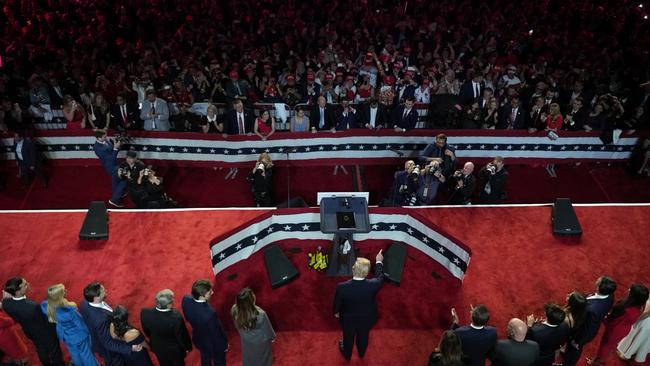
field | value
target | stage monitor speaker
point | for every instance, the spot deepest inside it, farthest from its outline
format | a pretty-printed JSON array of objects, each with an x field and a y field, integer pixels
[
  {"x": 95, "y": 226},
  {"x": 278, "y": 267},
  {"x": 293, "y": 202},
  {"x": 394, "y": 262},
  {"x": 564, "y": 219}
]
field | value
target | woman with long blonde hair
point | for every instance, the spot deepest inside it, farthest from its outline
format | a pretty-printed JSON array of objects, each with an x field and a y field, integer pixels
[
  {"x": 70, "y": 328},
  {"x": 254, "y": 328}
]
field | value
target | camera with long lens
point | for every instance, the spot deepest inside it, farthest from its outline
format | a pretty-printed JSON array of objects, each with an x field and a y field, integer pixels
[
  {"x": 491, "y": 168},
  {"x": 415, "y": 173},
  {"x": 146, "y": 172},
  {"x": 433, "y": 168},
  {"x": 260, "y": 168}
]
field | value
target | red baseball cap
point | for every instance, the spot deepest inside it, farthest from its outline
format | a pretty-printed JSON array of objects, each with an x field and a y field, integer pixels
[
  {"x": 339, "y": 73},
  {"x": 310, "y": 77},
  {"x": 234, "y": 74},
  {"x": 328, "y": 76},
  {"x": 397, "y": 65},
  {"x": 425, "y": 81},
  {"x": 349, "y": 77},
  {"x": 291, "y": 77}
]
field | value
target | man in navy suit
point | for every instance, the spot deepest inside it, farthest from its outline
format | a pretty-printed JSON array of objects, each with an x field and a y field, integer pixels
[
  {"x": 321, "y": 116},
  {"x": 239, "y": 121},
  {"x": 34, "y": 323},
  {"x": 477, "y": 339},
  {"x": 27, "y": 159},
  {"x": 549, "y": 334},
  {"x": 471, "y": 90},
  {"x": 355, "y": 306},
  {"x": 95, "y": 312},
  {"x": 512, "y": 116},
  {"x": 405, "y": 116},
  {"x": 208, "y": 334},
  {"x": 598, "y": 305},
  {"x": 106, "y": 150},
  {"x": 124, "y": 115},
  {"x": 346, "y": 118}
]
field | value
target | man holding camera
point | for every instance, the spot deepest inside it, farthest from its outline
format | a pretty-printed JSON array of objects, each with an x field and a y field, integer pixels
[
  {"x": 462, "y": 184},
  {"x": 495, "y": 176},
  {"x": 106, "y": 150},
  {"x": 428, "y": 184},
  {"x": 129, "y": 171},
  {"x": 405, "y": 185}
]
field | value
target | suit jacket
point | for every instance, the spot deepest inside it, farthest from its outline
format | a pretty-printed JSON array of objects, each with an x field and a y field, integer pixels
[
  {"x": 407, "y": 122},
  {"x": 232, "y": 125},
  {"x": 107, "y": 155},
  {"x": 477, "y": 343},
  {"x": 133, "y": 117},
  {"x": 508, "y": 352},
  {"x": 207, "y": 332},
  {"x": 161, "y": 121},
  {"x": 167, "y": 333},
  {"x": 408, "y": 91},
  {"x": 597, "y": 309},
  {"x": 29, "y": 154},
  {"x": 28, "y": 314},
  {"x": 505, "y": 115},
  {"x": 96, "y": 320},
  {"x": 466, "y": 93},
  {"x": 346, "y": 122},
  {"x": 354, "y": 300},
  {"x": 381, "y": 119},
  {"x": 549, "y": 340},
  {"x": 329, "y": 118}
]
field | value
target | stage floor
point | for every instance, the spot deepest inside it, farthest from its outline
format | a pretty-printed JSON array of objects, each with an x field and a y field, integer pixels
[{"x": 517, "y": 266}]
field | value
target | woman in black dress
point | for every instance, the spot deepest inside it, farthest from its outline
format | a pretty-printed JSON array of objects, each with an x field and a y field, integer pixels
[
  {"x": 121, "y": 330},
  {"x": 449, "y": 351}
]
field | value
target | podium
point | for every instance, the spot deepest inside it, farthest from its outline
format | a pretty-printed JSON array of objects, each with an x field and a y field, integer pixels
[{"x": 343, "y": 215}]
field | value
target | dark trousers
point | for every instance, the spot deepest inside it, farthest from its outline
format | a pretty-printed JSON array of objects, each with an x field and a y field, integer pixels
[
  {"x": 571, "y": 355},
  {"x": 359, "y": 331},
  {"x": 210, "y": 358},
  {"x": 118, "y": 186},
  {"x": 49, "y": 352},
  {"x": 173, "y": 358},
  {"x": 26, "y": 174}
]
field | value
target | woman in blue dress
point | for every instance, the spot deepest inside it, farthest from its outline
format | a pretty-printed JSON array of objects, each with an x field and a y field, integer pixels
[
  {"x": 70, "y": 327},
  {"x": 121, "y": 330}
]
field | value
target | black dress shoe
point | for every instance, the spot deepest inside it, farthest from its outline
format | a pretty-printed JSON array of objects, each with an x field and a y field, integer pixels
[{"x": 341, "y": 349}]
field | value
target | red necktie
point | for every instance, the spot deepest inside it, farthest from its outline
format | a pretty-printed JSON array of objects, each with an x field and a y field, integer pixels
[{"x": 241, "y": 124}]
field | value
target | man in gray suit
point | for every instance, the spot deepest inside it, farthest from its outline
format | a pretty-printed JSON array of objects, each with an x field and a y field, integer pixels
[
  {"x": 516, "y": 350},
  {"x": 154, "y": 112}
]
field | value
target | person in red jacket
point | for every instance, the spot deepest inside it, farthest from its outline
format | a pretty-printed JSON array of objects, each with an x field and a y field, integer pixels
[{"x": 11, "y": 344}]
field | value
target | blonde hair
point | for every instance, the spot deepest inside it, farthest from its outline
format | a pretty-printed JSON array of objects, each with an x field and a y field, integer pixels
[
  {"x": 554, "y": 109},
  {"x": 56, "y": 299},
  {"x": 361, "y": 268}
]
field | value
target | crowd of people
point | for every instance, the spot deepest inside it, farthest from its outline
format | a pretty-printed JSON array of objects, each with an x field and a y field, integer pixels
[
  {"x": 559, "y": 335},
  {"x": 94, "y": 328}
]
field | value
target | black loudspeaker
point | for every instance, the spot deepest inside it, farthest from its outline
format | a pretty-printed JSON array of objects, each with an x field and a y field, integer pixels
[
  {"x": 564, "y": 219},
  {"x": 278, "y": 267},
  {"x": 394, "y": 262},
  {"x": 95, "y": 226},
  {"x": 293, "y": 202}
]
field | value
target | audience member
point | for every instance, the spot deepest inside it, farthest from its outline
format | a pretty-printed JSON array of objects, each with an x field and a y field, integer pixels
[
  {"x": 299, "y": 122},
  {"x": 154, "y": 113},
  {"x": 512, "y": 116},
  {"x": 355, "y": 305},
  {"x": 255, "y": 330},
  {"x": 264, "y": 125},
  {"x": 122, "y": 331},
  {"x": 405, "y": 116},
  {"x": 124, "y": 115},
  {"x": 637, "y": 343},
  {"x": 261, "y": 179},
  {"x": 619, "y": 321},
  {"x": 74, "y": 114},
  {"x": 550, "y": 333},
  {"x": 154, "y": 195},
  {"x": 107, "y": 150},
  {"x": 239, "y": 121},
  {"x": 373, "y": 115},
  {"x": 449, "y": 351},
  {"x": 208, "y": 334},
  {"x": 165, "y": 328},
  {"x": 95, "y": 312},
  {"x": 70, "y": 327},
  {"x": 210, "y": 123},
  {"x": 99, "y": 112},
  {"x": 462, "y": 184},
  {"x": 494, "y": 177},
  {"x": 477, "y": 339},
  {"x": 346, "y": 117},
  {"x": 321, "y": 116},
  {"x": 516, "y": 350},
  {"x": 11, "y": 343},
  {"x": 28, "y": 159}
]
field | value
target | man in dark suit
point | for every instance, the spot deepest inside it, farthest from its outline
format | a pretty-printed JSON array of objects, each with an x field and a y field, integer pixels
[
  {"x": 28, "y": 314},
  {"x": 125, "y": 116},
  {"x": 462, "y": 184},
  {"x": 166, "y": 330},
  {"x": 477, "y": 338},
  {"x": 471, "y": 90},
  {"x": 549, "y": 334},
  {"x": 512, "y": 116},
  {"x": 208, "y": 334},
  {"x": 405, "y": 117},
  {"x": 106, "y": 150},
  {"x": 516, "y": 350},
  {"x": 355, "y": 306},
  {"x": 598, "y": 305},
  {"x": 321, "y": 116},
  {"x": 95, "y": 312},
  {"x": 373, "y": 116},
  {"x": 27, "y": 159},
  {"x": 239, "y": 121},
  {"x": 346, "y": 117}
]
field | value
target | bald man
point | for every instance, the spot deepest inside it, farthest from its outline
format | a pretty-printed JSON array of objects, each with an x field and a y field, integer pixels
[
  {"x": 462, "y": 184},
  {"x": 516, "y": 350}
]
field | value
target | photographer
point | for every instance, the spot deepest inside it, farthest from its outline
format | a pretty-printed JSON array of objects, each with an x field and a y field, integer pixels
[
  {"x": 261, "y": 179},
  {"x": 462, "y": 184},
  {"x": 405, "y": 185},
  {"x": 129, "y": 171},
  {"x": 429, "y": 182},
  {"x": 442, "y": 153},
  {"x": 495, "y": 177},
  {"x": 106, "y": 150},
  {"x": 154, "y": 192}
]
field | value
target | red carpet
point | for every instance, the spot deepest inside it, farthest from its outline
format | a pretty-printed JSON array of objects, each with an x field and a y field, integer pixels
[
  {"x": 517, "y": 266},
  {"x": 75, "y": 187}
]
